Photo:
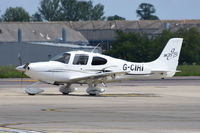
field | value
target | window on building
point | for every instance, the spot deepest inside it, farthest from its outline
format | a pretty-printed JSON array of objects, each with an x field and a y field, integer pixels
[
  {"x": 80, "y": 59},
  {"x": 64, "y": 58},
  {"x": 98, "y": 61}
]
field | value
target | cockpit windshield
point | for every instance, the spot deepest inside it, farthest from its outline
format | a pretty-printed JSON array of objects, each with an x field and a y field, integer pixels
[{"x": 64, "y": 58}]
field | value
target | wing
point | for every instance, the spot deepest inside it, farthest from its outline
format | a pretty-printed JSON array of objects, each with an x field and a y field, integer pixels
[{"x": 94, "y": 77}]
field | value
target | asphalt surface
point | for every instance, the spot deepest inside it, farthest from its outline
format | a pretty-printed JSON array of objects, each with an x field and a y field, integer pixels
[{"x": 141, "y": 106}]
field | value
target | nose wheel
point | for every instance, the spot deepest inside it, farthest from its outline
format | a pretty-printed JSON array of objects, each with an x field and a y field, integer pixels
[{"x": 32, "y": 90}]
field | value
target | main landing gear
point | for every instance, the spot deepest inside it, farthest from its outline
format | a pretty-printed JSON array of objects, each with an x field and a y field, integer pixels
[
  {"x": 66, "y": 89},
  {"x": 93, "y": 90}
]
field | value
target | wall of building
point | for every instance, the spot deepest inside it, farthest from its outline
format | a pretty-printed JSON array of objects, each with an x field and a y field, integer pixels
[{"x": 31, "y": 52}]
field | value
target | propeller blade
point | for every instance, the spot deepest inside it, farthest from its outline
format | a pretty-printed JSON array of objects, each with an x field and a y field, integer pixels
[
  {"x": 20, "y": 59},
  {"x": 21, "y": 81},
  {"x": 26, "y": 65}
]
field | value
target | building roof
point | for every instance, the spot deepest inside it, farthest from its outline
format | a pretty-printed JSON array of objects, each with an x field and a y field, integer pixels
[
  {"x": 87, "y": 30},
  {"x": 106, "y": 30},
  {"x": 124, "y": 24},
  {"x": 36, "y": 31}
]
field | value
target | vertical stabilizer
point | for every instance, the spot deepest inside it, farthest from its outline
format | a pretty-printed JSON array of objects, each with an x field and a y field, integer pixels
[{"x": 168, "y": 59}]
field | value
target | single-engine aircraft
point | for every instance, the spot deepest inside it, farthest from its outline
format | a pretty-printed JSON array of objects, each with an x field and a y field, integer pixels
[{"x": 79, "y": 67}]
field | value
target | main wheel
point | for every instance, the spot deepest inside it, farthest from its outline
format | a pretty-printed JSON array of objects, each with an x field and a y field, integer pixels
[
  {"x": 65, "y": 93},
  {"x": 93, "y": 94},
  {"x": 31, "y": 94}
]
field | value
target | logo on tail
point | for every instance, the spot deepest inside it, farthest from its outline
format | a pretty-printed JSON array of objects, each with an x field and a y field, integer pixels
[{"x": 172, "y": 54}]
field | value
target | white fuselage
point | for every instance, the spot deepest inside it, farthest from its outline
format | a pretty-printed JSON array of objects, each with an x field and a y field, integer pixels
[
  {"x": 55, "y": 71},
  {"x": 93, "y": 68}
]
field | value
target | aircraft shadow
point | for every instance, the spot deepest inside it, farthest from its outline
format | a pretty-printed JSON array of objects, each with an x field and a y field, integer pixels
[{"x": 107, "y": 95}]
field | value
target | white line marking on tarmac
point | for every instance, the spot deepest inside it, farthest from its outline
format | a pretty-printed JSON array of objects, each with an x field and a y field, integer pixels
[{"x": 17, "y": 131}]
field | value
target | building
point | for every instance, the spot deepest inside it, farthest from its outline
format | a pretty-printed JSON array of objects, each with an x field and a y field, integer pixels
[
  {"x": 38, "y": 41},
  {"x": 105, "y": 31}
]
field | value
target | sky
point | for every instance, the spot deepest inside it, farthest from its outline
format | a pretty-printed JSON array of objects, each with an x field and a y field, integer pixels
[{"x": 165, "y": 9}]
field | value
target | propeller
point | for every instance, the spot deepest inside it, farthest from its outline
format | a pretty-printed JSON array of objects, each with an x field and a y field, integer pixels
[
  {"x": 22, "y": 73},
  {"x": 31, "y": 90},
  {"x": 26, "y": 66},
  {"x": 22, "y": 68}
]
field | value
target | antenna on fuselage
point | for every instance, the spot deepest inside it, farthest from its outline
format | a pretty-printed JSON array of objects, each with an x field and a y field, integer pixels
[{"x": 95, "y": 47}]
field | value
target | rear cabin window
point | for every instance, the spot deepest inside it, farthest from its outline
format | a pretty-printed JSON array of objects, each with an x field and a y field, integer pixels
[
  {"x": 80, "y": 59},
  {"x": 98, "y": 61}
]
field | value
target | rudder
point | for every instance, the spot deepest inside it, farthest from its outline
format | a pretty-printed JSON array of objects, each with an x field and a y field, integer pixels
[{"x": 168, "y": 59}]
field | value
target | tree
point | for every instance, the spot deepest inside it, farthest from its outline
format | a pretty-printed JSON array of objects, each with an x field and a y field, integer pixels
[
  {"x": 17, "y": 14},
  {"x": 130, "y": 46},
  {"x": 145, "y": 11},
  {"x": 74, "y": 10},
  {"x": 70, "y": 10},
  {"x": 139, "y": 48},
  {"x": 36, "y": 17},
  {"x": 97, "y": 12},
  {"x": 115, "y": 17},
  {"x": 50, "y": 10},
  {"x": 84, "y": 11}
]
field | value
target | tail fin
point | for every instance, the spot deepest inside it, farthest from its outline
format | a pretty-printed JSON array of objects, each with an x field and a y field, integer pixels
[{"x": 167, "y": 62}]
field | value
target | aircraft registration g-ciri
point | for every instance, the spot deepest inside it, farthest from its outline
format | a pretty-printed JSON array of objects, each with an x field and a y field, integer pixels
[{"x": 79, "y": 67}]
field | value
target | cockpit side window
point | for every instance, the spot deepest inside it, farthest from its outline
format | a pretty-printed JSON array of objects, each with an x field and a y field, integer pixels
[
  {"x": 80, "y": 59},
  {"x": 64, "y": 58},
  {"x": 98, "y": 61}
]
